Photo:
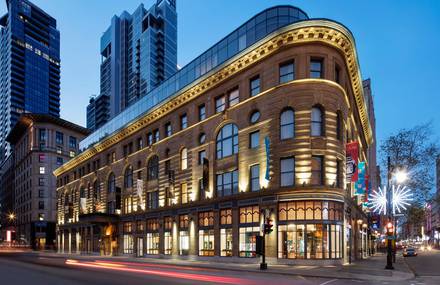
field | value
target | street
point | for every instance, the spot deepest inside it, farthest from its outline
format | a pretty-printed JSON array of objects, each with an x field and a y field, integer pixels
[{"x": 23, "y": 267}]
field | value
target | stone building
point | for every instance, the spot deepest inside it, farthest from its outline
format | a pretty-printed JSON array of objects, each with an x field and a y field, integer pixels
[{"x": 254, "y": 128}]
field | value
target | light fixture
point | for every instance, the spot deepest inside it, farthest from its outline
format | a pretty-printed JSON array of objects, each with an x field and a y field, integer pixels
[
  {"x": 359, "y": 222},
  {"x": 401, "y": 176}
]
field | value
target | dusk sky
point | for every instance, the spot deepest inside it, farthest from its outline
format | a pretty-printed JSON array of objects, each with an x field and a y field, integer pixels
[{"x": 397, "y": 41}]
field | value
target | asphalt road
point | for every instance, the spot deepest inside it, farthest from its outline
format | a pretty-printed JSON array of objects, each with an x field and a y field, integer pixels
[
  {"x": 426, "y": 267},
  {"x": 29, "y": 268}
]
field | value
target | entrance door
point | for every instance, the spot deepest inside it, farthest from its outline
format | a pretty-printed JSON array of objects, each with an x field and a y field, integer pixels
[{"x": 140, "y": 247}]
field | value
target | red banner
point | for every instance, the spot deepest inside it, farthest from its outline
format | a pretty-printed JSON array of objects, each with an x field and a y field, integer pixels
[{"x": 352, "y": 154}]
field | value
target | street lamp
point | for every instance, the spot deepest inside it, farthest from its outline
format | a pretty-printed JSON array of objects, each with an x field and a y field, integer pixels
[{"x": 401, "y": 176}]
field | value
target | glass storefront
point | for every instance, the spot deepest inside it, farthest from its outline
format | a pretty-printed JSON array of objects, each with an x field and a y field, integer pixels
[
  {"x": 128, "y": 244},
  {"x": 183, "y": 243},
  {"x": 248, "y": 241},
  {"x": 226, "y": 242},
  {"x": 168, "y": 243},
  {"x": 152, "y": 243},
  {"x": 310, "y": 230},
  {"x": 206, "y": 242}
]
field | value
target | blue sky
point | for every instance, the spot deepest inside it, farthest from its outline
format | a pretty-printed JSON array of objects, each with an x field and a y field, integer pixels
[{"x": 398, "y": 44}]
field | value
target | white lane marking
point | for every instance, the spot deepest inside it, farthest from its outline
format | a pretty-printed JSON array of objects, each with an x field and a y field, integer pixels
[{"x": 328, "y": 282}]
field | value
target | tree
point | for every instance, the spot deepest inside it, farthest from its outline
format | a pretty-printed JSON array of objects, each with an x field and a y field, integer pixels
[{"x": 415, "y": 151}]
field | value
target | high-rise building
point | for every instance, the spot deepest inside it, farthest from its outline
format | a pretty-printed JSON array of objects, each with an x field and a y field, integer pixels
[
  {"x": 29, "y": 66},
  {"x": 41, "y": 143},
  {"x": 138, "y": 52},
  {"x": 97, "y": 111}
]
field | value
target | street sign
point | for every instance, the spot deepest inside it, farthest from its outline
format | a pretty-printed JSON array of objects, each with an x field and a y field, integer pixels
[{"x": 390, "y": 237}]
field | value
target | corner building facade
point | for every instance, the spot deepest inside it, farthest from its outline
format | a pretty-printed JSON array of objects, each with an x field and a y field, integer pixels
[{"x": 261, "y": 135}]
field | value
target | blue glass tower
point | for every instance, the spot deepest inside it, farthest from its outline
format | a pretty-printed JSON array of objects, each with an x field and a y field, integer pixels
[
  {"x": 29, "y": 65},
  {"x": 138, "y": 51}
]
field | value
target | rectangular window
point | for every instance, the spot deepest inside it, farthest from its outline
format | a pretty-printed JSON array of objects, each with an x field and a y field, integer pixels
[
  {"x": 183, "y": 122},
  {"x": 140, "y": 143},
  {"x": 287, "y": 72},
  {"x": 42, "y": 170},
  {"x": 149, "y": 139},
  {"x": 250, "y": 215},
  {"x": 202, "y": 155},
  {"x": 168, "y": 243},
  {"x": 184, "y": 192},
  {"x": 254, "y": 176},
  {"x": 41, "y": 216},
  {"x": 168, "y": 129},
  {"x": 153, "y": 243},
  {"x": 317, "y": 170},
  {"x": 156, "y": 135},
  {"x": 202, "y": 194},
  {"x": 202, "y": 112},
  {"x": 153, "y": 199},
  {"x": 128, "y": 244},
  {"x": 206, "y": 219},
  {"x": 72, "y": 142},
  {"x": 59, "y": 137},
  {"x": 254, "y": 85},
  {"x": 338, "y": 174},
  {"x": 183, "y": 221},
  {"x": 225, "y": 242},
  {"x": 40, "y": 205},
  {"x": 226, "y": 217},
  {"x": 220, "y": 104},
  {"x": 234, "y": 97},
  {"x": 316, "y": 68},
  {"x": 206, "y": 242},
  {"x": 60, "y": 161},
  {"x": 42, "y": 135},
  {"x": 71, "y": 153},
  {"x": 287, "y": 170},
  {"x": 337, "y": 74},
  {"x": 41, "y": 157},
  {"x": 254, "y": 139},
  {"x": 59, "y": 149},
  {"x": 41, "y": 193},
  {"x": 227, "y": 183},
  {"x": 248, "y": 241},
  {"x": 183, "y": 243}
]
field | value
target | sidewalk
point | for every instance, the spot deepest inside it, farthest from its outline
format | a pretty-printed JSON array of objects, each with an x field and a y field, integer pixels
[{"x": 371, "y": 269}]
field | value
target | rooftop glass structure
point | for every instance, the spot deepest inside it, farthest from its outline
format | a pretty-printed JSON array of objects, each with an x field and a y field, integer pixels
[{"x": 241, "y": 38}]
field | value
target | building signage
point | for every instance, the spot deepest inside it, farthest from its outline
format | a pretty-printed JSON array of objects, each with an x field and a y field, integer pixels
[
  {"x": 139, "y": 190},
  {"x": 360, "y": 184},
  {"x": 267, "y": 145},
  {"x": 352, "y": 153}
]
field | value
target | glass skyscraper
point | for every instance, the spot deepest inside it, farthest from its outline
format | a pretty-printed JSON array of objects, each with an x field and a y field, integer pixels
[
  {"x": 138, "y": 51},
  {"x": 29, "y": 66}
]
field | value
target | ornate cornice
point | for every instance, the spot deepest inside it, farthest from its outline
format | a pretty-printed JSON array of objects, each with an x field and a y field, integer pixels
[{"x": 319, "y": 31}]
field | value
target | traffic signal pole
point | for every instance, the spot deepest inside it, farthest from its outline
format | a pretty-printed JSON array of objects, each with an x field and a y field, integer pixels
[{"x": 263, "y": 264}]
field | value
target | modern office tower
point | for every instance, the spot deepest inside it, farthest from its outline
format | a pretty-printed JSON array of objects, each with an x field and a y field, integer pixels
[
  {"x": 41, "y": 143},
  {"x": 30, "y": 66},
  {"x": 138, "y": 52},
  {"x": 97, "y": 111}
]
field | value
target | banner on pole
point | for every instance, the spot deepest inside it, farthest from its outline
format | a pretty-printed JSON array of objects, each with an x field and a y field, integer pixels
[{"x": 352, "y": 154}]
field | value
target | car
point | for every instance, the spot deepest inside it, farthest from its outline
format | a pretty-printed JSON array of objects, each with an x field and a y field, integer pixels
[{"x": 409, "y": 251}]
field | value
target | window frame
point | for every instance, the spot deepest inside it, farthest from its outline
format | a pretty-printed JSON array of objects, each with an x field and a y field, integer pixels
[{"x": 289, "y": 75}]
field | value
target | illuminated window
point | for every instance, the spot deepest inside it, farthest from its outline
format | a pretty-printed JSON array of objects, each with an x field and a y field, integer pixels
[
  {"x": 206, "y": 242},
  {"x": 168, "y": 243},
  {"x": 226, "y": 242},
  {"x": 184, "y": 193},
  {"x": 287, "y": 72},
  {"x": 71, "y": 153},
  {"x": 184, "y": 158},
  {"x": 42, "y": 170},
  {"x": 227, "y": 141},
  {"x": 206, "y": 219},
  {"x": 250, "y": 214}
]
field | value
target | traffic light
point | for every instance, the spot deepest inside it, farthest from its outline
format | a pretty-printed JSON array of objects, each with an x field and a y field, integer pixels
[
  {"x": 390, "y": 228},
  {"x": 268, "y": 226}
]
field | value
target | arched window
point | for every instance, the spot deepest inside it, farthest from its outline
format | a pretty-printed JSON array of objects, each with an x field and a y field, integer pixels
[
  {"x": 111, "y": 187},
  {"x": 153, "y": 168},
  {"x": 227, "y": 141},
  {"x": 339, "y": 126},
  {"x": 287, "y": 124},
  {"x": 184, "y": 158},
  {"x": 317, "y": 127},
  {"x": 128, "y": 177}
]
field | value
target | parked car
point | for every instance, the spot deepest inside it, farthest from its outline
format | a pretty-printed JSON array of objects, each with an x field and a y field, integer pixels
[{"x": 409, "y": 251}]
